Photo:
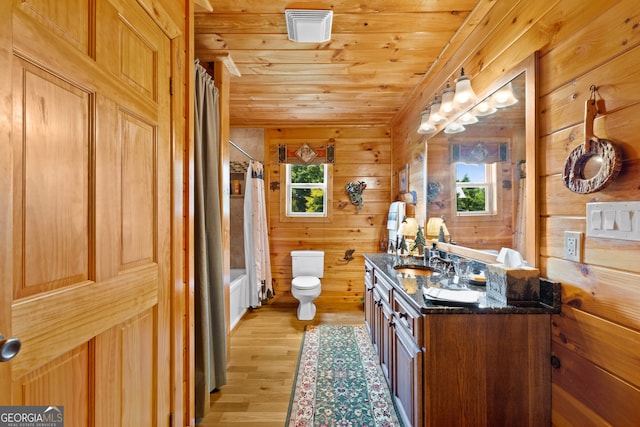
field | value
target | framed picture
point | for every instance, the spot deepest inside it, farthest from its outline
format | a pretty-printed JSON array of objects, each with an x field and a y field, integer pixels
[{"x": 403, "y": 179}]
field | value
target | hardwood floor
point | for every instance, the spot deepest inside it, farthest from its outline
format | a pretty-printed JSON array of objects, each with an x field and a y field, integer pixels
[{"x": 264, "y": 354}]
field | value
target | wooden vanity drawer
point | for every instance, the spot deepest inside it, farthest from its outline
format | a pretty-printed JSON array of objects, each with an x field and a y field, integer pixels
[
  {"x": 408, "y": 318},
  {"x": 384, "y": 287}
]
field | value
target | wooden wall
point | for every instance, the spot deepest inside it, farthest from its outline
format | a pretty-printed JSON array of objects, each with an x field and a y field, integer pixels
[
  {"x": 361, "y": 154},
  {"x": 596, "y": 339}
]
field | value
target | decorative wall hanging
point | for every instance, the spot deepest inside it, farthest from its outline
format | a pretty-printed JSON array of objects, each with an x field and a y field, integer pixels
[
  {"x": 355, "y": 189},
  {"x": 306, "y": 154},
  {"x": 403, "y": 179},
  {"x": 608, "y": 155},
  {"x": 479, "y": 152},
  {"x": 434, "y": 189}
]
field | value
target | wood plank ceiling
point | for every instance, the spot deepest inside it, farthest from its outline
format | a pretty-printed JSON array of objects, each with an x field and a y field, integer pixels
[{"x": 378, "y": 55}]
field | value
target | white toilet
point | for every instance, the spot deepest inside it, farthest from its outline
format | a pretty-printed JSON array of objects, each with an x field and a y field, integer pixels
[{"x": 307, "y": 268}]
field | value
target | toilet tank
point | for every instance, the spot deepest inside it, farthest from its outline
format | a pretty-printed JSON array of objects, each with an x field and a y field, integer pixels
[{"x": 307, "y": 263}]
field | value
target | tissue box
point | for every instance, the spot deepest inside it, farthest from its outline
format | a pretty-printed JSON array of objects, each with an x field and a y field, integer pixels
[{"x": 513, "y": 284}]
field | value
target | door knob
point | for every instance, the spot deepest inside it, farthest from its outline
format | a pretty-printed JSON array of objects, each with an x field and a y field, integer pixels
[{"x": 9, "y": 348}]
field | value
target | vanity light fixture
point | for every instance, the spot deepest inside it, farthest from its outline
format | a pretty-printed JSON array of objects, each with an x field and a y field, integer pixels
[
  {"x": 454, "y": 127},
  {"x": 468, "y": 118},
  {"x": 435, "y": 118},
  {"x": 503, "y": 97},
  {"x": 447, "y": 107},
  {"x": 461, "y": 99},
  {"x": 425, "y": 125},
  {"x": 484, "y": 109},
  {"x": 464, "y": 95}
]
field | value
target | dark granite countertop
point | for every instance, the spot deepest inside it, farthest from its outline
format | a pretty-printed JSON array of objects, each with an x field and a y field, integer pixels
[{"x": 406, "y": 283}]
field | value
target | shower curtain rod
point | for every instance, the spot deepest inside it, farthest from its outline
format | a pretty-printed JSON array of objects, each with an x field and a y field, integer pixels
[{"x": 237, "y": 147}]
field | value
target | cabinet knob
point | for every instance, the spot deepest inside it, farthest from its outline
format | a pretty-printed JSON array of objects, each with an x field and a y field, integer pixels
[{"x": 403, "y": 315}]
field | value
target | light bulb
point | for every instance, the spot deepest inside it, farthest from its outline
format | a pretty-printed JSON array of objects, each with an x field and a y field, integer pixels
[
  {"x": 484, "y": 109},
  {"x": 503, "y": 97},
  {"x": 446, "y": 106},
  {"x": 464, "y": 96},
  {"x": 454, "y": 127},
  {"x": 425, "y": 126},
  {"x": 435, "y": 117},
  {"x": 468, "y": 118}
]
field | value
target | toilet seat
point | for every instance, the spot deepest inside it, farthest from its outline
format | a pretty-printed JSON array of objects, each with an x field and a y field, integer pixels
[{"x": 305, "y": 282}]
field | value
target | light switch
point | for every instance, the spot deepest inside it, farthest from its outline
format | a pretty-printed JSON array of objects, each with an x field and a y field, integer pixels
[
  {"x": 596, "y": 219},
  {"x": 609, "y": 219},
  {"x": 624, "y": 220},
  {"x": 614, "y": 220}
]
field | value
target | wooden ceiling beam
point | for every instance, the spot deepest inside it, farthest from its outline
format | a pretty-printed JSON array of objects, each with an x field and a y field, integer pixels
[
  {"x": 255, "y": 23},
  {"x": 344, "y": 6},
  {"x": 353, "y": 42}
]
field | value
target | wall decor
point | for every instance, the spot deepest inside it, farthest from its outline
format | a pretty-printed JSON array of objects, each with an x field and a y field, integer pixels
[
  {"x": 595, "y": 150},
  {"x": 434, "y": 189},
  {"x": 479, "y": 152},
  {"x": 306, "y": 154},
  {"x": 403, "y": 179},
  {"x": 355, "y": 189}
]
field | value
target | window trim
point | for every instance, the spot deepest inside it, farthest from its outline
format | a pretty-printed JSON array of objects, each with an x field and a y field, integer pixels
[
  {"x": 305, "y": 217},
  {"x": 491, "y": 194}
]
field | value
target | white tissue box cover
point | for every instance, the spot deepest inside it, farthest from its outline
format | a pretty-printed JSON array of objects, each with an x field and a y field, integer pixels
[{"x": 513, "y": 284}]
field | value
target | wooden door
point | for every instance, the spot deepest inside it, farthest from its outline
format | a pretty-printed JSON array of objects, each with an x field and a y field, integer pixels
[{"x": 85, "y": 218}]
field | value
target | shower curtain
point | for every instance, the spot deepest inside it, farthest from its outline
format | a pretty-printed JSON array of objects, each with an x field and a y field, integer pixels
[
  {"x": 256, "y": 237},
  {"x": 210, "y": 348}
]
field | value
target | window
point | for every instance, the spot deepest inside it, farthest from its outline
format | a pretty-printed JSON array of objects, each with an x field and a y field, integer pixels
[
  {"x": 475, "y": 189},
  {"x": 307, "y": 190}
]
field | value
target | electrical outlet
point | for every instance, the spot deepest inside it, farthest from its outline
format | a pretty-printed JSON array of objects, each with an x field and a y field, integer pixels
[{"x": 573, "y": 245}]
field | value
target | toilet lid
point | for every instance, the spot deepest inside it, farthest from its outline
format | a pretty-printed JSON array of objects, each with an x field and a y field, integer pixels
[{"x": 305, "y": 282}]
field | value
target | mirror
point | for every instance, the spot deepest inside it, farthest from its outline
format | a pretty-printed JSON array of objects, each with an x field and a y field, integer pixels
[
  {"x": 592, "y": 167},
  {"x": 482, "y": 179}
]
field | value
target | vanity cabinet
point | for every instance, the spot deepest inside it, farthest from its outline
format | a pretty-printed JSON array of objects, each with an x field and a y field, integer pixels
[
  {"x": 395, "y": 330},
  {"x": 459, "y": 366}
]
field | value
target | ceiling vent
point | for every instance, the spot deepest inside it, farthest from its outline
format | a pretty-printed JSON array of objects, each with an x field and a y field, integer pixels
[{"x": 309, "y": 26}]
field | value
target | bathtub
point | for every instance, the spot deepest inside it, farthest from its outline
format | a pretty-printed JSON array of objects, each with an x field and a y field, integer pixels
[{"x": 237, "y": 296}]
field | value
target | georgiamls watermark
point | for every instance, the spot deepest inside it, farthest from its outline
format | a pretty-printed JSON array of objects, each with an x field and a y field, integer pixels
[{"x": 31, "y": 416}]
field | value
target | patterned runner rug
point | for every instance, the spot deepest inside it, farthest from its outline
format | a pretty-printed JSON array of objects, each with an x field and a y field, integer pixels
[{"x": 339, "y": 381}]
